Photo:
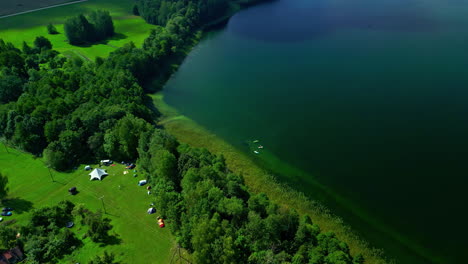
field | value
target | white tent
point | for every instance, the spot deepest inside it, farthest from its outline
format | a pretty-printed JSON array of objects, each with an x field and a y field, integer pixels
[
  {"x": 97, "y": 174},
  {"x": 142, "y": 182}
]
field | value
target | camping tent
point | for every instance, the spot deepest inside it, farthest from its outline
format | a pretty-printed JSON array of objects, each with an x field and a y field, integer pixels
[
  {"x": 97, "y": 174},
  {"x": 142, "y": 182},
  {"x": 151, "y": 210},
  {"x": 87, "y": 167},
  {"x": 72, "y": 190}
]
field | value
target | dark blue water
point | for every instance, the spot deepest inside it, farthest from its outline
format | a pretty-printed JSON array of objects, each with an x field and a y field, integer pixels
[{"x": 368, "y": 97}]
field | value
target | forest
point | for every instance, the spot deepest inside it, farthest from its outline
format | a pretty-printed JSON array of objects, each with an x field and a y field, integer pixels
[{"x": 72, "y": 111}]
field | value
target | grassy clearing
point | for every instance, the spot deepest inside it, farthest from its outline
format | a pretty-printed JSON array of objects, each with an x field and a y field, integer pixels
[
  {"x": 28, "y": 26},
  {"x": 258, "y": 179},
  {"x": 141, "y": 240}
]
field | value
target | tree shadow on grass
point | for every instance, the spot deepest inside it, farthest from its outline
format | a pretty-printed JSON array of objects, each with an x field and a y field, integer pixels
[
  {"x": 19, "y": 205},
  {"x": 116, "y": 36},
  {"x": 111, "y": 240}
]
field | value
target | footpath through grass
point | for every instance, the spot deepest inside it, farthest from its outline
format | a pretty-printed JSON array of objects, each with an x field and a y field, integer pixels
[
  {"x": 27, "y": 27},
  {"x": 140, "y": 240}
]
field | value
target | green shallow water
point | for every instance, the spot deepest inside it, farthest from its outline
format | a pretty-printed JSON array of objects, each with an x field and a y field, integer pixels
[{"x": 366, "y": 98}]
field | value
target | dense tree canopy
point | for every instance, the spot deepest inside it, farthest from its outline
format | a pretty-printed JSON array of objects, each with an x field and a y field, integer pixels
[
  {"x": 218, "y": 220},
  {"x": 80, "y": 30}
]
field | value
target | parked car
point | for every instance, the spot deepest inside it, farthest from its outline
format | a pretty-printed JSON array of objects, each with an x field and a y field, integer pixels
[
  {"x": 161, "y": 222},
  {"x": 4, "y": 213},
  {"x": 131, "y": 166}
]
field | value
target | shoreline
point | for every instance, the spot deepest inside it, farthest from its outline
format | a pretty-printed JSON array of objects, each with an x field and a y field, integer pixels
[{"x": 260, "y": 180}]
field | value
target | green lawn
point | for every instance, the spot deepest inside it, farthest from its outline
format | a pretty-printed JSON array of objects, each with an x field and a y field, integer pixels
[
  {"x": 31, "y": 187},
  {"x": 28, "y": 26}
]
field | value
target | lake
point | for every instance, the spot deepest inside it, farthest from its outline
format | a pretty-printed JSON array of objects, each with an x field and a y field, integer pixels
[{"x": 368, "y": 98}]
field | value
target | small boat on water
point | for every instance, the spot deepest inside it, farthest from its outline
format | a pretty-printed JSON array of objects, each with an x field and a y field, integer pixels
[
  {"x": 260, "y": 147},
  {"x": 255, "y": 141},
  {"x": 256, "y": 152}
]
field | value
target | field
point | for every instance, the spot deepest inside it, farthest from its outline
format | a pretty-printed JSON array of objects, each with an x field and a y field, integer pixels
[
  {"x": 139, "y": 238},
  {"x": 16, "y": 6},
  {"x": 26, "y": 27}
]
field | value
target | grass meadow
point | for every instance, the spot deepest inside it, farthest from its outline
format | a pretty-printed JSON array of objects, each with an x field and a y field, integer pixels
[
  {"x": 260, "y": 180},
  {"x": 26, "y": 27},
  {"x": 138, "y": 237}
]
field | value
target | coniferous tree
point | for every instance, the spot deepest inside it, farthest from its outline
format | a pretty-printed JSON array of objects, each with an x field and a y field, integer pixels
[{"x": 51, "y": 29}]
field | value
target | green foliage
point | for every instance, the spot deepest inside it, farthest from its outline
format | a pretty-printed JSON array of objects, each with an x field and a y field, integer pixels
[
  {"x": 197, "y": 12},
  {"x": 51, "y": 29},
  {"x": 45, "y": 237},
  {"x": 42, "y": 43},
  {"x": 103, "y": 25},
  {"x": 99, "y": 226},
  {"x": 7, "y": 237},
  {"x": 217, "y": 219},
  {"x": 121, "y": 142},
  {"x": 80, "y": 30},
  {"x": 11, "y": 86},
  {"x": 135, "y": 10},
  {"x": 106, "y": 258},
  {"x": 3, "y": 187}
]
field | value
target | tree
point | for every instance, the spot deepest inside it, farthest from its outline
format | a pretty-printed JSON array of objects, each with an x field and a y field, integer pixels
[
  {"x": 3, "y": 187},
  {"x": 135, "y": 10},
  {"x": 12, "y": 59},
  {"x": 99, "y": 226},
  {"x": 51, "y": 29},
  {"x": 103, "y": 25},
  {"x": 11, "y": 86},
  {"x": 78, "y": 30},
  {"x": 42, "y": 43},
  {"x": 106, "y": 258},
  {"x": 7, "y": 237}
]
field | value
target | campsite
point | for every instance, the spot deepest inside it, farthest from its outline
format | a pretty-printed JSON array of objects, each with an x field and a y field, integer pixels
[{"x": 139, "y": 235}]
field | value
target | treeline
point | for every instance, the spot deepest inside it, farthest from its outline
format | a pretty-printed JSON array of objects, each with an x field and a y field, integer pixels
[
  {"x": 80, "y": 30},
  {"x": 215, "y": 216},
  {"x": 160, "y": 12}
]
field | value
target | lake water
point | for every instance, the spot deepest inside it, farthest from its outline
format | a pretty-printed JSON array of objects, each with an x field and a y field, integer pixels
[{"x": 369, "y": 98}]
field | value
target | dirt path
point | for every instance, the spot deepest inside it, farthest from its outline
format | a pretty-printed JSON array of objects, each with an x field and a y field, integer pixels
[{"x": 42, "y": 8}]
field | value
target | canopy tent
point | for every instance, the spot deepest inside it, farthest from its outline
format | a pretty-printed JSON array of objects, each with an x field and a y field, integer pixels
[{"x": 97, "y": 174}]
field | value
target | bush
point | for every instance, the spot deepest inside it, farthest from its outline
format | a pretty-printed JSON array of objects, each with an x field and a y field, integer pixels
[{"x": 51, "y": 29}]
